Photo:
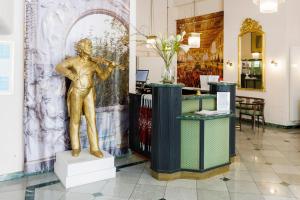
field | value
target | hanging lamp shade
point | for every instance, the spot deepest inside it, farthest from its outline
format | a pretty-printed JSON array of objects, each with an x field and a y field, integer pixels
[
  {"x": 194, "y": 40},
  {"x": 268, "y": 6},
  {"x": 194, "y": 37},
  {"x": 151, "y": 39}
]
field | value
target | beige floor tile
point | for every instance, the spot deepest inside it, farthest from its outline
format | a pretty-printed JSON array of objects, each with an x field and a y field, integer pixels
[
  {"x": 183, "y": 183},
  {"x": 278, "y": 198},
  {"x": 212, "y": 184},
  {"x": 174, "y": 193},
  {"x": 239, "y": 176},
  {"x": 48, "y": 194},
  {"x": 277, "y": 160},
  {"x": 213, "y": 195},
  {"x": 285, "y": 169},
  {"x": 269, "y": 177},
  {"x": 148, "y": 192},
  {"x": 295, "y": 190},
  {"x": 121, "y": 190},
  {"x": 18, "y": 184},
  {"x": 240, "y": 196},
  {"x": 272, "y": 153},
  {"x": 15, "y": 195},
  {"x": 77, "y": 196},
  {"x": 242, "y": 187},
  {"x": 126, "y": 177},
  {"x": 238, "y": 166},
  {"x": 258, "y": 167},
  {"x": 273, "y": 189},
  {"x": 290, "y": 178},
  {"x": 147, "y": 179}
]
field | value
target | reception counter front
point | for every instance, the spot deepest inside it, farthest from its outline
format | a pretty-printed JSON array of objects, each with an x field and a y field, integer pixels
[{"x": 185, "y": 144}]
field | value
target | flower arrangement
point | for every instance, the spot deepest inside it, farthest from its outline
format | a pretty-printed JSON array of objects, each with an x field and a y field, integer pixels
[{"x": 167, "y": 48}]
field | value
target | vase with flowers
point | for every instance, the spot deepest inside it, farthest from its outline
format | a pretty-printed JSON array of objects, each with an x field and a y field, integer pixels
[{"x": 167, "y": 48}]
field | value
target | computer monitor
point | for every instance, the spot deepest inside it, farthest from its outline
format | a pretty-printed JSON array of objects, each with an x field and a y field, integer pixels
[{"x": 142, "y": 75}]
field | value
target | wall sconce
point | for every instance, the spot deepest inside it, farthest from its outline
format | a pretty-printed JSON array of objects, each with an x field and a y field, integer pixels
[
  {"x": 255, "y": 55},
  {"x": 274, "y": 63},
  {"x": 228, "y": 64}
]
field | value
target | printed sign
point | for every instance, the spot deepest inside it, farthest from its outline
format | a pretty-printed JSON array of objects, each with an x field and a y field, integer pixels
[
  {"x": 223, "y": 102},
  {"x": 6, "y": 68}
]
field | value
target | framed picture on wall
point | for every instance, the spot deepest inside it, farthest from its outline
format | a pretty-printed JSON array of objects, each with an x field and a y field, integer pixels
[
  {"x": 6, "y": 68},
  {"x": 256, "y": 43}
]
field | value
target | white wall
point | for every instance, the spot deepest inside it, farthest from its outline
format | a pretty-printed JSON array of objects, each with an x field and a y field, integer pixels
[
  {"x": 6, "y": 17},
  {"x": 278, "y": 28},
  {"x": 293, "y": 25},
  {"x": 11, "y": 107}
]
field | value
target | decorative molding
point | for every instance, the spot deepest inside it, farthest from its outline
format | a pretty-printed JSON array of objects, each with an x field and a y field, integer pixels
[{"x": 250, "y": 25}]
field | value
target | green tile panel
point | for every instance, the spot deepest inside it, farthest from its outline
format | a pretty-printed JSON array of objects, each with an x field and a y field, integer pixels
[
  {"x": 209, "y": 104},
  {"x": 216, "y": 140},
  {"x": 189, "y": 106},
  {"x": 203, "y": 96},
  {"x": 190, "y": 147}
]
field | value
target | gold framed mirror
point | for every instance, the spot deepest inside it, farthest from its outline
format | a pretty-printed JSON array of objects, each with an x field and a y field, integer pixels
[{"x": 251, "y": 56}]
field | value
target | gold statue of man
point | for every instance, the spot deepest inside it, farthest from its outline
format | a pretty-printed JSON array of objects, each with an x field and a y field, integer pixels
[{"x": 81, "y": 95}]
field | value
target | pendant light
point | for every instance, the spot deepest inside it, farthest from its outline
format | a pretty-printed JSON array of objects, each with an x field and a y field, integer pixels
[
  {"x": 151, "y": 39},
  {"x": 194, "y": 39},
  {"x": 268, "y": 6}
]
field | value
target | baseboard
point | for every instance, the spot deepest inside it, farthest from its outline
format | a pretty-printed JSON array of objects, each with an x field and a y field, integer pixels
[
  {"x": 282, "y": 126},
  {"x": 268, "y": 124}
]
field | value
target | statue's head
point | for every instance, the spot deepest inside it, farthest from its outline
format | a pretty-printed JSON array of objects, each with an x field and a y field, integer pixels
[{"x": 84, "y": 47}]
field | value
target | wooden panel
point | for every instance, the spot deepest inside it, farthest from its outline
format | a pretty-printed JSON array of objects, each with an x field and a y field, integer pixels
[{"x": 165, "y": 150}]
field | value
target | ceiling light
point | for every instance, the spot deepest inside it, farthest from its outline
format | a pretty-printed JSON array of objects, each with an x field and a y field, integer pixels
[
  {"x": 268, "y": 6},
  {"x": 194, "y": 40},
  {"x": 151, "y": 39}
]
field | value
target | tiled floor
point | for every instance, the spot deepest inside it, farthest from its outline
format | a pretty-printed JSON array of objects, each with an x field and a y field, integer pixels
[{"x": 267, "y": 168}]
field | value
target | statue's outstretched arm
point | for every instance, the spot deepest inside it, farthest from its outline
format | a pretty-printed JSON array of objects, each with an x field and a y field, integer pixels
[
  {"x": 64, "y": 69},
  {"x": 103, "y": 74},
  {"x": 100, "y": 60}
]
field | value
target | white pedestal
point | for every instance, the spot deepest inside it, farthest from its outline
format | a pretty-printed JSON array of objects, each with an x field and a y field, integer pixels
[{"x": 75, "y": 171}]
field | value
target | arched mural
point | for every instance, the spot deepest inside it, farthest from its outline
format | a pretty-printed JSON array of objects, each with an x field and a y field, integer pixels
[{"x": 52, "y": 27}]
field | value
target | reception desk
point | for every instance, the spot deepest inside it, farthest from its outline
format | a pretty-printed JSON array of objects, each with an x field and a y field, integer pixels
[{"x": 186, "y": 145}]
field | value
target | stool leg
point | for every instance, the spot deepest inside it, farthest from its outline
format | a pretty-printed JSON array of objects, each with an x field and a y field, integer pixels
[
  {"x": 254, "y": 122},
  {"x": 263, "y": 122},
  {"x": 240, "y": 121}
]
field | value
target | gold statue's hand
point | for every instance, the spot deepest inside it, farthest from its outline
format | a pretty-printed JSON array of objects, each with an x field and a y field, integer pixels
[
  {"x": 73, "y": 77},
  {"x": 97, "y": 59}
]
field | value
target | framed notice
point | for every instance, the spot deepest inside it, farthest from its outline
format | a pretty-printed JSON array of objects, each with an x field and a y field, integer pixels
[
  {"x": 223, "y": 102},
  {"x": 6, "y": 68}
]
